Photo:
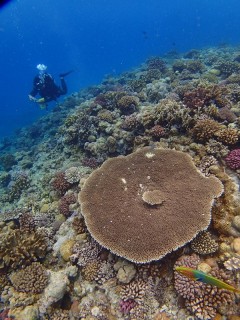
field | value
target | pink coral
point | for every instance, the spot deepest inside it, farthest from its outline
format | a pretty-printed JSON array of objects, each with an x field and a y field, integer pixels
[
  {"x": 65, "y": 201},
  {"x": 127, "y": 305},
  {"x": 233, "y": 159},
  {"x": 157, "y": 131},
  {"x": 60, "y": 184}
]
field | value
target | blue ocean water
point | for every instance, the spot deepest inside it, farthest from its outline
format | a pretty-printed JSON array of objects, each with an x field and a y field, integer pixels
[{"x": 95, "y": 38}]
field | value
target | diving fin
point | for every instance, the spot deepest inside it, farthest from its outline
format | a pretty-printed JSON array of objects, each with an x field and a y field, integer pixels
[
  {"x": 42, "y": 103},
  {"x": 41, "y": 100},
  {"x": 62, "y": 75}
]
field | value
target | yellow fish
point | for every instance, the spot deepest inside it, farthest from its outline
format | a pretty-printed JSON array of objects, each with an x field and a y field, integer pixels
[{"x": 197, "y": 275}]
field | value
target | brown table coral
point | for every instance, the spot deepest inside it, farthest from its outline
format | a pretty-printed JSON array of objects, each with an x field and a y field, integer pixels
[{"x": 122, "y": 212}]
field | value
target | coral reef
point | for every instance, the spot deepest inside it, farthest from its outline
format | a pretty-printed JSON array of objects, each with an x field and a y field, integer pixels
[
  {"x": 124, "y": 215},
  {"x": 20, "y": 249},
  {"x": 186, "y": 106},
  {"x": 201, "y": 299},
  {"x": 32, "y": 279}
]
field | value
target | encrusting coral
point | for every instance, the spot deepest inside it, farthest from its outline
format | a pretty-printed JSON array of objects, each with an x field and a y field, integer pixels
[{"x": 120, "y": 220}]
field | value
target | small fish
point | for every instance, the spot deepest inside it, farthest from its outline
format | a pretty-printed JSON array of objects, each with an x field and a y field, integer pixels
[{"x": 197, "y": 275}]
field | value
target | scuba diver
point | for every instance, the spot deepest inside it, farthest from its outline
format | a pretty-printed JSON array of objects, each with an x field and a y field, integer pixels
[{"x": 45, "y": 86}]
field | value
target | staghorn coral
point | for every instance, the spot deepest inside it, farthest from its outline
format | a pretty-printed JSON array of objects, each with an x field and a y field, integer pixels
[
  {"x": 228, "y": 136},
  {"x": 119, "y": 223},
  {"x": 170, "y": 112},
  {"x": 20, "y": 249},
  {"x": 204, "y": 243},
  {"x": 205, "y": 129},
  {"x": 32, "y": 279},
  {"x": 201, "y": 299}
]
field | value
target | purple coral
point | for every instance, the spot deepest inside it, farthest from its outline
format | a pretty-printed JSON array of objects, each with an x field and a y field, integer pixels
[
  {"x": 233, "y": 159},
  {"x": 127, "y": 305}
]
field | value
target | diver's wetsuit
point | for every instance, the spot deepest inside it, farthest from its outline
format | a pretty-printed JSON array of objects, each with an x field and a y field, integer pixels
[{"x": 45, "y": 86}]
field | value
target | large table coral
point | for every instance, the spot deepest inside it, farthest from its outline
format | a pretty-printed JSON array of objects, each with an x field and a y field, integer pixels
[{"x": 148, "y": 203}]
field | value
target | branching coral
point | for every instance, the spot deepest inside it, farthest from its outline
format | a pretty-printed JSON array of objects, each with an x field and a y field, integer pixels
[
  {"x": 228, "y": 136},
  {"x": 116, "y": 215},
  {"x": 170, "y": 112},
  {"x": 60, "y": 183},
  {"x": 205, "y": 96},
  {"x": 201, "y": 299},
  {"x": 32, "y": 279},
  {"x": 65, "y": 202},
  {"x": 85, "y": 253},
  {"x": 205, "y": 129},
  {"x": 20, "y": 249},
  {"x": 27, "y": 223}
]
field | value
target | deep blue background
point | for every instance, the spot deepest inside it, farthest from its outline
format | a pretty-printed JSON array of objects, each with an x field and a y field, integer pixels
[{"x": 98, "y": 37}]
